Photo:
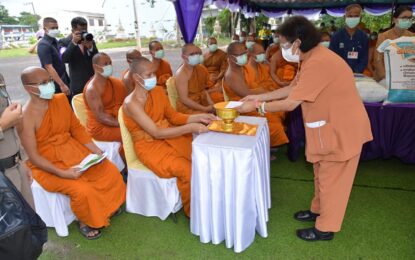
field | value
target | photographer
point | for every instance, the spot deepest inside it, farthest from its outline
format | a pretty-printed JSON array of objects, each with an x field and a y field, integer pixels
[{"x": 77, "y": 50}]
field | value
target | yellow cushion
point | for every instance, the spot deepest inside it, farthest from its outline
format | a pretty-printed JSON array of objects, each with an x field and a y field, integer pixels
[
  {"x": 128, "y": 144},
  {"x": 79, "y": 109},
  {"x": 172, "y": 91}
]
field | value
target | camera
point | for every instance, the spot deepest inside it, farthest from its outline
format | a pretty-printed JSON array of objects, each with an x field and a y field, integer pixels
[{"x": 86, "y": 36}]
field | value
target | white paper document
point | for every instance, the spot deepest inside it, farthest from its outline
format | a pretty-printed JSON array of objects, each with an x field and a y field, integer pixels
[
  {"x": 89, "y": 161},
  {"x": 233, "y": 104}
]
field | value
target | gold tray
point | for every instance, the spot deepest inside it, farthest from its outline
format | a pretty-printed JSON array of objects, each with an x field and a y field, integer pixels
[{"x": 238, "y": 128}]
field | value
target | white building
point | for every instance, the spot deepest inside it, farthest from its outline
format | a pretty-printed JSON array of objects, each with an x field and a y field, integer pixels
[{"x": 97, "y": 24}]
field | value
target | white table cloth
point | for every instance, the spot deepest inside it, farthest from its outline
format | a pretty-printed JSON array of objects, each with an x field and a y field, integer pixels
[{"x": 230, "y": 194}]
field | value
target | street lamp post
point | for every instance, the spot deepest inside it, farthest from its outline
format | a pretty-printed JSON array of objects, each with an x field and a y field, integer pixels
[
  {"x": 137, "y": 27},
  {"x": 33, "y": 6}
]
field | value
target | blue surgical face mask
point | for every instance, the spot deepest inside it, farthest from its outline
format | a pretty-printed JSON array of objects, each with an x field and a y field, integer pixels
[
  {"x": 107, "y": 71},
  {"x": 241, "y": 60},
  {"x": 149, "y": 83},
  {"x": 159, "y": 54},
  {"x": 404, "y": 23},
  {"x": 352, "y": 22},
  {"x": 276, "y": 39},
  {"x": 260, "y": 58},
  {"x": 213, "y": 47},
  {"x": 47, "y": 90},
  {"x": 325, "y": 43},
  {"x": 194, "y": 59},
  {"x": 249, "y": 44}
]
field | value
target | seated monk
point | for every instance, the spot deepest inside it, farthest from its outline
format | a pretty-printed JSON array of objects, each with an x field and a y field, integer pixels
[
  {"x": 131, "y": 55},
  {"x": 56, "y": 143},
  {"x": 103, "y": 96},
  {"x": 236, "y": 88},
  {"x": 274, "y": 47},
  {"x": 215, "y": 60},
  {"x": 256, "y": 72},
  {"x": 282, "y": 71},
  {"x": 192, "y": 83},
  {"x": 162, "y": 67},
  {"x": 162, "y": 137}
]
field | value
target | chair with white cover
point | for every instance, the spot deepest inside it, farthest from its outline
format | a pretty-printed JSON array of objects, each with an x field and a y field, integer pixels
[
  {"x": 110, "y": 148},
  {"x": 147, "y": 194},
  {"x": 53, "y": 208}
]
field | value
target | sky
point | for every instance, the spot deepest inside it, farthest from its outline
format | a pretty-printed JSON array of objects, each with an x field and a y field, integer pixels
[{"x": 162, "y": 14}]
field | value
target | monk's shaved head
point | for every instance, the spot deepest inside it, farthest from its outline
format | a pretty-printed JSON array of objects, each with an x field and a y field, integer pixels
[
  {"x": 100, "y": 58},
  {"x": 212, "y": 40},
  {"x": 235, "y": 48},
  {"x": 132, "y": 54},
  {"x": 256, "y": 49},
  {"x": 190, "y": 48},
  {"x": 155, "y": 45},
  {"x": 140, "y": 65},
  {"x": 34, "y": 75}
]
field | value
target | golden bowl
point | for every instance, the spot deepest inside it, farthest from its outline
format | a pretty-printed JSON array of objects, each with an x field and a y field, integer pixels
[{"x": 228, "y": 115}]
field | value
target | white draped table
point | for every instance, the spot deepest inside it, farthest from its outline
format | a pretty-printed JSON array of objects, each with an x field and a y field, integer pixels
[{"x": 230, "y": 194}]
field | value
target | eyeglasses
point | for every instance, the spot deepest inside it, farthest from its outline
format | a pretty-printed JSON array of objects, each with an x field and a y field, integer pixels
[{"x": 50, "y": 80}]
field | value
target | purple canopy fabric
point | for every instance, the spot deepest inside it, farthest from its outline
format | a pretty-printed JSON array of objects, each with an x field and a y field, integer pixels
[
  {"x": 393, "y": 132},
  {"x": 188, "y": 14}
]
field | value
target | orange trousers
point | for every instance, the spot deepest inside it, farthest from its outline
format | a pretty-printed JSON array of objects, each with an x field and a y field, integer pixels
[{"x": 333, "y": 183}]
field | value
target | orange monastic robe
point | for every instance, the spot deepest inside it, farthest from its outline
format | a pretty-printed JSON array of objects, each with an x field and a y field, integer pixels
[
  {"x": 60, "y": 139},
  {"x": 272, "y": 49},
  {"x": 197, "y": 85},
  {"x": 163, "y": 73},
  {"x": 259, "y": 78},
  {"x": 167, "y": 158},
  {"x": 216, "y": 63},
  {"x": 275, "y": 120},
  {"x": 285, "y": 71},
  {"x": 112, "y": 99}
]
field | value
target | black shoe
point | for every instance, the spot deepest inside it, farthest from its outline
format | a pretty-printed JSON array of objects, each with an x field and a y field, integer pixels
[
  {"x": 313, "y": 234},
  {"x": 306, "y": 216}
]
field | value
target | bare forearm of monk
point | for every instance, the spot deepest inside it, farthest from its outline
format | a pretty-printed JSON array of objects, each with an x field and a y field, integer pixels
[
  {"x": 96, "y": 106},
  {"x": 93, "y": 148},
  {"x": 193, "y": 105}
]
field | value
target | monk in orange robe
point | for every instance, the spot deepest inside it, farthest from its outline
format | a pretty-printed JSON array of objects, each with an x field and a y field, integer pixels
[
  {"x": 56, "y": 143},
  {"x": 162, "y": 137},
  {"x": 236, "y": 87},
  {"x": 282, "y": 72},
  {"x": 274, "y": 47},
  {"x": 162, "y": 67},
  {"x": 193, "y": 82},
  {"x": 103, "y": 96},
  {"x": 216, "y": 62},
  {"x": 257, "y": 73},
  {"x": 131, "y": 55}
]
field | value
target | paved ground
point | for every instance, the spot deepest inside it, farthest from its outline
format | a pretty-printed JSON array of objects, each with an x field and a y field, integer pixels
[{"x": 12, "y": 67}]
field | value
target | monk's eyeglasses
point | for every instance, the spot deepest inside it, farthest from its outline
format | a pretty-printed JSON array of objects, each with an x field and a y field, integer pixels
[{"x": 50, "y": 80}]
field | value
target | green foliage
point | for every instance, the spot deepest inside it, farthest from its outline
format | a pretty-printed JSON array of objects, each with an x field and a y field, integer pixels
[
  {"x": 29, "y": 19},
  {"x": 5, "y": 18},
  {"x": 209, "y": 24},
  {"x": 373, "y": 23},
  {"x": 259, "y": 20},
  {"x": 225, "y": 21}
]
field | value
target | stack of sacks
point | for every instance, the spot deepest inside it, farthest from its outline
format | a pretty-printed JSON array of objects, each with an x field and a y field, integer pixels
[
  {"x": 369, "y": 89},
  {"x": 400, "y": 69}
]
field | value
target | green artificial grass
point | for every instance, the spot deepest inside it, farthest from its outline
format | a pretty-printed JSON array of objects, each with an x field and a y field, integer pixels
[{"x": 379, "y": 223}]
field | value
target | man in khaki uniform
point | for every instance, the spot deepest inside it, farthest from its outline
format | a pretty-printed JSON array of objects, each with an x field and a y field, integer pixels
[{"x": 12, "y": 156}]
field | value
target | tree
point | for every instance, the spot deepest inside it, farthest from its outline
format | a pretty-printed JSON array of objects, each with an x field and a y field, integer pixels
[
  {"x": 209, "y": 25},
  {"x": 29, "y": 19},
  {"x": 225, "y": 21},
  {"x": 5, "y": 18},
  {"x": 373, "y": 23}
]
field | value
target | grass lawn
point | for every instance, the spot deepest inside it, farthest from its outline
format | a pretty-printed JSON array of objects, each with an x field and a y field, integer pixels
[
  {"x": 379, "y": 223},
  {"x": 20, "y": 52}
]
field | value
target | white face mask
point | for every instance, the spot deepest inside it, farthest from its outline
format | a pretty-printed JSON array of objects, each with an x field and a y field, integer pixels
[
  {"x": 54, "y": 33},
  {"x": 288, "y": 55}
]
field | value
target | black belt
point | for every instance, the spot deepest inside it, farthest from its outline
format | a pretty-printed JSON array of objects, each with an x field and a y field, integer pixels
[{"x": 9, "y": 162}]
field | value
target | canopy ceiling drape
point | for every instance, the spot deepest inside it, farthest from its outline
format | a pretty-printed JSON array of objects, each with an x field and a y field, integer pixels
[{"x": 189, "y": 11}]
